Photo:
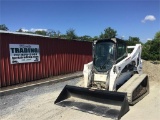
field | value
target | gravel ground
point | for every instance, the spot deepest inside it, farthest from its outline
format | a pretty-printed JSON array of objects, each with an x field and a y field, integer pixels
[
  {"x": 13, "y": 106},
  {"x": 38, "y": 103}
]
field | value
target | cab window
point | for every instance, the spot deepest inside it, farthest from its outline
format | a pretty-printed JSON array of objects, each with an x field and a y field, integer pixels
[{"x": 121, "y": 51}]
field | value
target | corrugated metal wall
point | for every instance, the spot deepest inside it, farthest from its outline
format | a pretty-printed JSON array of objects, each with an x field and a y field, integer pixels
[{"x": 56, "y": 57}]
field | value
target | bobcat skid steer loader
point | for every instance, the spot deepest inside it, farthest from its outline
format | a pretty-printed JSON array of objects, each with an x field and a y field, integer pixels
[{"x": 112, "y": 81}]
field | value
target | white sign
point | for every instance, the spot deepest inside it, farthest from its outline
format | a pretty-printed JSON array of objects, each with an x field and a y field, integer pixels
[{"x": 24, "y": 53}]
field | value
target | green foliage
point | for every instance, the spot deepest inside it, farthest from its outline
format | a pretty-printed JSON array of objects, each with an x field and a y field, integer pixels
[
  {"x": 151, "y": 50},
  {"x": 157, "y": 35},
  {"x": 108, "y": 33},
  {"x": 53, "y": 34},
  {"x": 95, "y": 37},
  {"x": 41, "y": 32},
  {"x": 86, "y": 38},
  {"x": 133, "y": 41},
  {"x": 70, "y": 34},
  {"x": 3, "y": 27},
  {"x": 63, "y": 36}
]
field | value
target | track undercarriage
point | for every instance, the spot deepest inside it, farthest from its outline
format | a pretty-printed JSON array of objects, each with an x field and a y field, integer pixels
[{"x": 136, "y": 88}]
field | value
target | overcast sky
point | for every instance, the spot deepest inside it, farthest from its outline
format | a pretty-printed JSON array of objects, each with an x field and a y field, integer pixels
[{"x": 137, "y": 18}]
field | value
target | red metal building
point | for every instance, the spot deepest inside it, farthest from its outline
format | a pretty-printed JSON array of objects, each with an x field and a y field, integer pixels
[{"x": 57, "y": 56}]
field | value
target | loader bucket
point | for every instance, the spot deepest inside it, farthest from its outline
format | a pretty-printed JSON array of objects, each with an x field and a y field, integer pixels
[{"x": 100, "y": 102}]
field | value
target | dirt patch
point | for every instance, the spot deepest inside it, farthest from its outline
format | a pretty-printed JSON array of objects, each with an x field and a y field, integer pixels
[{"x": 152, "y": 70}]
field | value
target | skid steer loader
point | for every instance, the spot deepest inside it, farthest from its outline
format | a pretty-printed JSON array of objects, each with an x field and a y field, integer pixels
[{"x": 112, "y": 81}]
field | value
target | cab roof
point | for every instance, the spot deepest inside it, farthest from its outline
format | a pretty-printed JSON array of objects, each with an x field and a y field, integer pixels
[{"x": 115, "y": 40}]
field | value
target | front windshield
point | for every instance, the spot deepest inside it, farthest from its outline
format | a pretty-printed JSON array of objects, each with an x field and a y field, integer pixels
[{"x": 103, "y": 56}]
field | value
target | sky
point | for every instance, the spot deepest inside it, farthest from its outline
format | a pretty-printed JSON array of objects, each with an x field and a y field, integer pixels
[{"x": 136, "y": 18}]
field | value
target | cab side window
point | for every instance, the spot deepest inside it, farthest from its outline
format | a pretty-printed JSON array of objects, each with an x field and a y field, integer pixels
[{"x": 121, "y": 51}]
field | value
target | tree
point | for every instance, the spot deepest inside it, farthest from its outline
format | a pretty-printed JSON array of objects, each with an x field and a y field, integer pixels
[
  {"x": 63, "y": 36},
  {"x": 108, "y": 33},
  {"x": 156, "y": 46},
  {"x": 3, "y": 27},
  {"x": 101, "y": 35},
  {"x": 133, "y": 41},
  {"x": 157, "y": 35},
  {"x": 146, "y": 50},
  {"x": 41, "y": 32},
  {"x": 53, "y": 33},
  {"x": 95, "y": 37},
  {"x": 70, "y": 33},
  {"x": 151, "y": 49},
  {"x": 86, "y": 38}
]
